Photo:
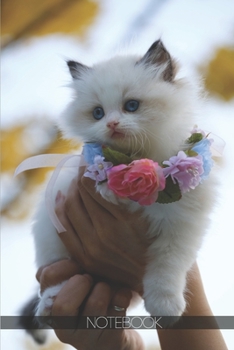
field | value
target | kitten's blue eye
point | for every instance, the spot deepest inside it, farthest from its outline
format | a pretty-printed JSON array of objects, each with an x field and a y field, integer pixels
[
  {"x": 131, "y": 106},
  {"x": 98, "y": 113}
]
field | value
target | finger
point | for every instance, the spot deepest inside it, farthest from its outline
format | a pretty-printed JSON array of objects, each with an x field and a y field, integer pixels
[
  {"x": 85, "y": 213},
  {"x": 82, "y": 241},
  {"x": 98, "y": 301},
  {"x": 69, "y": 238},
  {"x": 57, "y": 272},
  {"x": 82, "y": 170},
  {"x": 74, "y": 201},
  {"x": 39, "y": 271},
  {"x": 118, "y": 212},
  {"x": 98, "y": 213},
  {"x": 70, "y": 298},
  {"x": 75, "y": 209},
  {"x": 89, "y": 185},
  {"x": 120, "y": 302}
]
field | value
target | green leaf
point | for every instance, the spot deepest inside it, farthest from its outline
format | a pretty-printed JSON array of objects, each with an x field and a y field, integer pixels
[
  {"x": 102, "y": 182},
  {"x": 191, "y": 153},
  {"x": 171, "y": 192},
  {"x": 115, "y": 157},
  {"x": 196, "y": 137}
]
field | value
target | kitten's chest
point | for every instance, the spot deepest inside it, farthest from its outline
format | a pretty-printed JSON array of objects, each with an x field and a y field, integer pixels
[{"x": 190, "y": 213}]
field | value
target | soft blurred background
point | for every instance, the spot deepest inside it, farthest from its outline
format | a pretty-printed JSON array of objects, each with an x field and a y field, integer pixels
[{"x": 37, "y": 38}]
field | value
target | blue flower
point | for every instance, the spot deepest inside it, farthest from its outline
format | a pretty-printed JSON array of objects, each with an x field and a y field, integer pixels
[
  {"x": 90, "y": 150},
  {"x": 203, "y": 148}
]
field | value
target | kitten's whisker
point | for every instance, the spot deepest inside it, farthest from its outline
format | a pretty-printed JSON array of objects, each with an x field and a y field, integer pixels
[
  {"x": 146, "y": 135},
  {"x": 139, "y": 136}
]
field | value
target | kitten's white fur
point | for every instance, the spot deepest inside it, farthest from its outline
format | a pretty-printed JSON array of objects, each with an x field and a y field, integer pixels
[{"x": 157, "y": 130}]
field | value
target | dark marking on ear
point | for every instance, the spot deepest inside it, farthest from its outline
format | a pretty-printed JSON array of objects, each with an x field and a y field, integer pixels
[
  {"x": 158, "y": 55},
  {"x": 76, "y": 69}
]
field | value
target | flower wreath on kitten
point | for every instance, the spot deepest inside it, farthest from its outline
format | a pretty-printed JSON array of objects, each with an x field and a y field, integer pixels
[{"x": 145, "y": 181}]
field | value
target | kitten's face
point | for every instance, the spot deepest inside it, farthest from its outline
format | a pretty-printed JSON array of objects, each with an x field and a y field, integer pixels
[{"x": 125, "y": 103}]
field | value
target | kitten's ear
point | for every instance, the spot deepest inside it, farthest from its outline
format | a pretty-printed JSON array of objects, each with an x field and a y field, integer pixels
[
  {"x": 158, "y": 55},
  {"x": 76, "y": 69}
]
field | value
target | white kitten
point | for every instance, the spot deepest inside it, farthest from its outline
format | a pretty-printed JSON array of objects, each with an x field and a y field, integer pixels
[{"x": 137, "y": 106}]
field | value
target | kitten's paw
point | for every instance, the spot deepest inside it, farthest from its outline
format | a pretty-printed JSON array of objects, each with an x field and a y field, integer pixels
[
  {"x": 107, "y": 194},
  {"x": 47, "y": 299},
  {"x": 165, "y": 304}
]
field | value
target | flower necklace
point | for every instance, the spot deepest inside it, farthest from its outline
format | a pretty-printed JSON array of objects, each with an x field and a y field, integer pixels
[
  {"x": 145, "y": 181},
  {"x": 141, "y": 180}
]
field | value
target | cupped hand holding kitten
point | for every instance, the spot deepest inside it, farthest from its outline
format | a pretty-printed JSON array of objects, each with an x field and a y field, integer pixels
[
  {"x": 93, "y": 239},
  {"x": 105, "y": 239},
  {"x": 81, "y": 296}
]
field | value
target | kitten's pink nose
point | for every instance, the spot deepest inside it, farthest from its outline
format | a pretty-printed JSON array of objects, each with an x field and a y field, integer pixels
[{"x": 112, "y": 125}]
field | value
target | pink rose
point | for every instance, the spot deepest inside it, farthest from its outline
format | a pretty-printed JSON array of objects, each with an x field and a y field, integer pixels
[{"x": 139, "y": 181}]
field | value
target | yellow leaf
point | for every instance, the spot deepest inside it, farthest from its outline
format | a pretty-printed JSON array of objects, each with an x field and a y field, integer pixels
[
  {"x": 13, "y": 150},
  {"x": 24, "y": 18},
  {"x": 220, "y": 74}
]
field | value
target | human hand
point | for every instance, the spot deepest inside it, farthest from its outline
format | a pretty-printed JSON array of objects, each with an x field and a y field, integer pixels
[
  {"x": 105, "y": 239},
  {"x": 80, "y": 296}
]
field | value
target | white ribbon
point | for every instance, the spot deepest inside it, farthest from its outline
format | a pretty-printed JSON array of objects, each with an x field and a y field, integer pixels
[
  {"x": 217, "y": 146},
  {"x": 40, "y": 161},
  {"x": 51, "y": 160}
]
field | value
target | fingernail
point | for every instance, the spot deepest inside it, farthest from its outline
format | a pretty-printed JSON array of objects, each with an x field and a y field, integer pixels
[{"x": 58, "y": 197}]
